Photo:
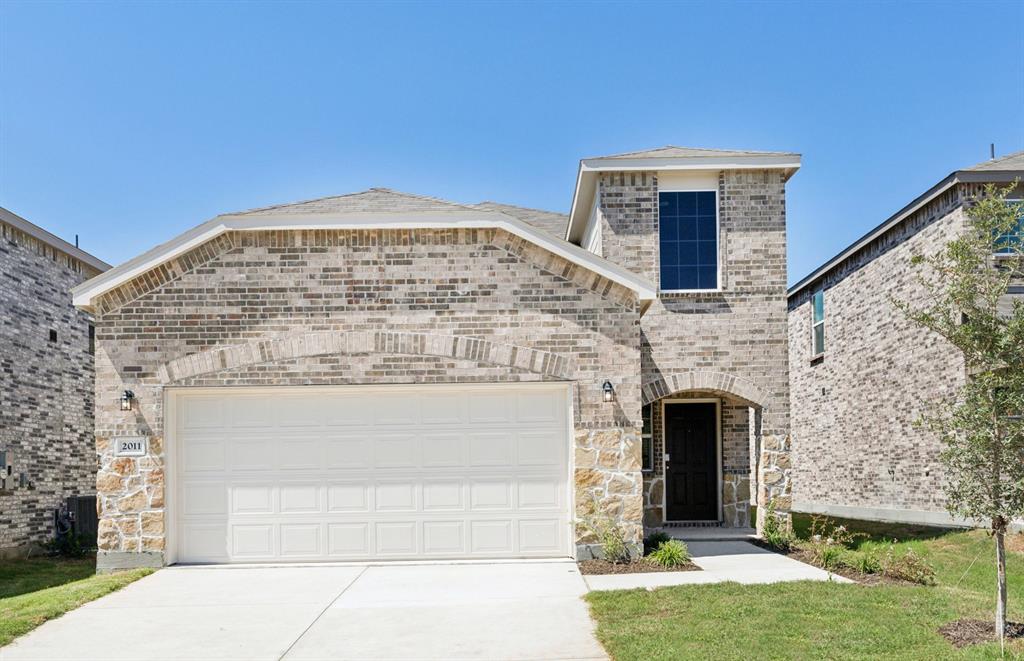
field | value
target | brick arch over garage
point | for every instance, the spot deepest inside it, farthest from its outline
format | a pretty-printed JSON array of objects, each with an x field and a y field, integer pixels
[
  {"x": 302, "y": 345},
  {"x": 664, "y": 385}
]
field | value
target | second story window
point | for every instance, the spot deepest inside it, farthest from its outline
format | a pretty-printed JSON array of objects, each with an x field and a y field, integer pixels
[
  {"x": 818, "y": 323},
  {"x": 1012, "y": 241},
  {"x": 688, "y": 230}
]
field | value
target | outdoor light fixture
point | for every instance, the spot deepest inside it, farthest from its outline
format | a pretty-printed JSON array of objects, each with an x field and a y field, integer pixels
[
  {"x": 608, "y": 390},
  {"x": 126, "y": 400}
]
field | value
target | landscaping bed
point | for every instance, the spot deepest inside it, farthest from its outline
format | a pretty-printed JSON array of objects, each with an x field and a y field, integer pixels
[
  {"x": 963, "y": 633},
  {"x": 640, "y": 566},
  {"x": 880, "y": 618}
]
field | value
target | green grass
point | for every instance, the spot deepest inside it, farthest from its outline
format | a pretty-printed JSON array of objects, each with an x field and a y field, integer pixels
[
  {"x": 809, "y": 620},
  {"x": 35, "y": 590}
]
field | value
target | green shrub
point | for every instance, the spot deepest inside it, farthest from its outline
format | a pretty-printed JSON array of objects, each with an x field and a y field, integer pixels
[
  {"x": 608, "y": 533},
  {"x": 672, "y": 553},
  {"x": 829, "y": 556},
  {"x": 908, "y": 566},
  {"x": 775, "y": 533},
  {"x": 866, "y": 562},
  {"x": 654, "y": 540}
]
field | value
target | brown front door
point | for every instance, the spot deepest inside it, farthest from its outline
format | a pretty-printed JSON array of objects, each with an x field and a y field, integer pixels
[{"x": 691, "y": 462}]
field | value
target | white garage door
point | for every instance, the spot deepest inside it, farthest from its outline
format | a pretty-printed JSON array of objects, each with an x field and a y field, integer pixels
[{"x": 369, "y": 473}]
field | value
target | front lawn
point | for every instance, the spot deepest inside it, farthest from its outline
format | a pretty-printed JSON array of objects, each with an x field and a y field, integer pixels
[
  {"x": 35, "y": 590},
  {"x": 817, "y": 620}
]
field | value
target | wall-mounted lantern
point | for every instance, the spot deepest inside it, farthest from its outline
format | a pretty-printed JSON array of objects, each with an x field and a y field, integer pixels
[
  {"x": 609, "y": 391},
  {"x": 126, "y": 400}
]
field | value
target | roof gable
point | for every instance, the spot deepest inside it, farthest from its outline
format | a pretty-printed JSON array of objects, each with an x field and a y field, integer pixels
[{"x": 372, "y": 209}]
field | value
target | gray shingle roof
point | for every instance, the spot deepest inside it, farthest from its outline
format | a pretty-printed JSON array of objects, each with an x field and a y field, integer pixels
[
  {"x": 1013, "y": 161},
  {"x": 374, "y": 200},
  {"x": 670, "y": 151},
  {"x": 551, "y": 222}
]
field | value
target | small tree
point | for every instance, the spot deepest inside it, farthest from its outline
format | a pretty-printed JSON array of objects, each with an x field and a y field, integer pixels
[{"x": 967, "y": 303}]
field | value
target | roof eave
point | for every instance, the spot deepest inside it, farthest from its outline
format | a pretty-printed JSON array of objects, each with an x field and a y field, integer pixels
[
  {"x": 54, "y": 241},
  {"x": 590, "y": 167},
  {"x": 952, "y": 179}
]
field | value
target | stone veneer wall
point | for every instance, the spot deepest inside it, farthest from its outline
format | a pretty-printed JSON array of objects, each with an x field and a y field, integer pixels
[
  {"x": 856, "y": 448},
  {"x": 46, "y": 404},
  {"x": 349, "y": 307},
  {"x": 731, "y": 343}
]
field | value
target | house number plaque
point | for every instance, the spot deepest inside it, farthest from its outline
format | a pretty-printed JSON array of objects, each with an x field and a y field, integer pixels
[{"x": 130, "y": 446}]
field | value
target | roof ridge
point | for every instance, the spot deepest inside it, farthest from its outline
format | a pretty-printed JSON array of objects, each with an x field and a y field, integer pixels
[
  {"x": 519, "y": 206},
  {"x": 996, "y": 161},
  {"x": 712, "y": 150},
  {"x": 373, "y": 189}
]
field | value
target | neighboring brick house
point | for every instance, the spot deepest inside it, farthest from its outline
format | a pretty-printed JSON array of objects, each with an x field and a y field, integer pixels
[
  {"x": 382, "y": 375},
  {"x": 46, "y": 381},
  {"x": 861, "y": 374}
]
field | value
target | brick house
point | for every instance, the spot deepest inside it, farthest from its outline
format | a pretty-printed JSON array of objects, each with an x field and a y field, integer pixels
[
  {"x": 46, "y": 381},
  {"x": 390, "y": 376},
  {"x": 861, "y": 374}
]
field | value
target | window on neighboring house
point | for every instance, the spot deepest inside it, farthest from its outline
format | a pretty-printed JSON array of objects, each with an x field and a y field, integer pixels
[
  {"x": 1012, "y": 241},
  {"x": 688, "y": 229},
  {"x": 818, "y": 323},
  {"x": 92, "y": 339},
  {"x": 646, "y": 439}
]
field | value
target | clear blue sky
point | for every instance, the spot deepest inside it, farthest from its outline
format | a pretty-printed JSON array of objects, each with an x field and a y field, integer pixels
[{"x": 129, "y": 123}]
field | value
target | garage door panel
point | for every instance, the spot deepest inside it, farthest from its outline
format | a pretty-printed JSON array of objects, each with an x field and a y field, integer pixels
[
  {"x": 204, "y": 455},
  {"x": 300, "y": 540},
  {"x": 540, "y": 448},
  {"x": 300, "y": 499},
  {"x": 542, "y": 535},
  {"x": 252, "y": 499},
  {"x": 348, "y": 497},
  {"x": 491, "y": 537},
  {"x": 444, "y": 538},
  {"x": 348, "y": 540},
  {"x": 491, "y": 407},
  {"x": 491, "y": 449},
  {"x": 352, "y": 411},
  {"x": 349, "y": 452},
  {"x": 252, "y": 541},
  {"x": 396, "y": 451},
  {"x": 395, "y": 497},
  {"x": 397, "y": 538},
  {"x": 428, "y": 472},
  {"x": 443, "y": 495},
  {"x": 444, "y": 409},
  {"x": 252, "y": 455},
  {"x": 446, "y": 450}
]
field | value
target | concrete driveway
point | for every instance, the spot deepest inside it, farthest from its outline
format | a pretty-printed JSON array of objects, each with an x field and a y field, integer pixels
[{"x": 526, "y": 610}]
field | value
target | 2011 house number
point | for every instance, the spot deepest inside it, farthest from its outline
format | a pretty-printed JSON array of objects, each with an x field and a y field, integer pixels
[{"x": 130, "y": 446}]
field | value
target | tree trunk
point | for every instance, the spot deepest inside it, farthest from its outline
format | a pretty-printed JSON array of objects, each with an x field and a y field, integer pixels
[{"x": 999, "y": 528}]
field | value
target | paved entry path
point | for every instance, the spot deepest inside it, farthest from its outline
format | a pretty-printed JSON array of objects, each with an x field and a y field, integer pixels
[
  {"x": 736, "y": 561},
  {"x": 525, "y": 610}
]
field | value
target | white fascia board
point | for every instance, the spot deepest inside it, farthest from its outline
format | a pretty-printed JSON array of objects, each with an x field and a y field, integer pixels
[
  {"x": 83, "y": 295},
  {"x": 586, "y": 178}
]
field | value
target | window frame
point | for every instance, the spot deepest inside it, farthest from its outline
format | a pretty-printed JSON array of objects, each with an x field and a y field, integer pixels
[
  {"x": 1010, "y": 253},
  {"x": 815, "y": 354},
  {"x": 718, "y": 240},
  {"x": 648, "y": 456}
]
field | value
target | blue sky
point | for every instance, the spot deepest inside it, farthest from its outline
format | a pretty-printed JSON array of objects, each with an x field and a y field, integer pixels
[{"x": 129, "y": 123}]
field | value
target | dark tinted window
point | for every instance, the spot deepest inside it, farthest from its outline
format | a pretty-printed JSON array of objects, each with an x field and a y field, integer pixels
[{"x": 688, "y": 229}]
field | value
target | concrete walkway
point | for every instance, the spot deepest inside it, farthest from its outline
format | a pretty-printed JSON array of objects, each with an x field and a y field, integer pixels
[
  {"x": 524, "y": 610},
  {"x": 736, "y": 561}
]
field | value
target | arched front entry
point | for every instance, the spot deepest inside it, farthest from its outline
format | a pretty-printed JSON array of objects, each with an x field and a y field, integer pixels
[{"x": 705, "y": 458}]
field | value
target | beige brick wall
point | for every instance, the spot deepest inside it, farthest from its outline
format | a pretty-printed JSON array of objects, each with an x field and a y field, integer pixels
[
  {"x": 855, "y": 443},
  {"x": 730, "y": 344},
  {"x": 347, "y": 307}
]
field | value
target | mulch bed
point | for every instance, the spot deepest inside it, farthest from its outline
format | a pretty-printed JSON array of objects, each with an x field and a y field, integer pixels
[
  {"x": 641, "y": 566},
  {"x": 808, "y": 558},
  {"x": 972, "y": 632}
]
